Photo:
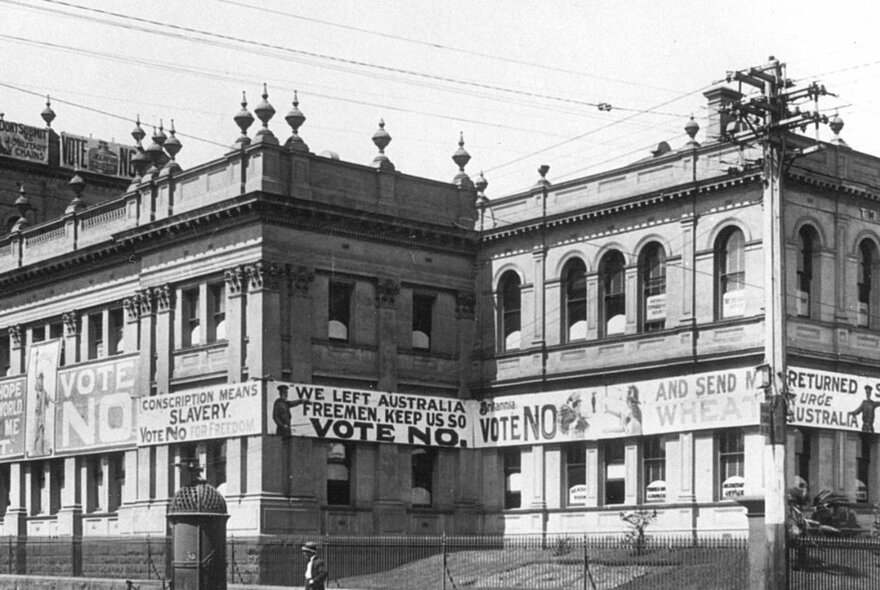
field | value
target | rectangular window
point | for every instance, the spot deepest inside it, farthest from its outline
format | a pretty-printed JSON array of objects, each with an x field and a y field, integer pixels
[
  {"x": 116, "y": 481},
  {"x": 153, "y": 473},
  {"x": 217, "y": 312},
  {"x": 339, "y": 474},
  {"x": 863, "y": 466},
  {"x": 422, "y": 462},
  {"x": 802, "y": 454},
  {"x": 731, "y": 463},
  {"x": 117, "y": 326},
  {"x": 94, "y": 484},
  {"x": 422, "y": 311},
  {"x": 96, "y": 335},
  {"x": 339, "y": 317},
  {"x": 215, "y": 470},
  {"x": 5, "y": 483},
  {"x": 56, "y": 484},
  {"x": 192, "y": 330},
  {"x": 38, "y": 334},
  {"x": 575, "y": 474},
  {"x": 56, "y": 330},
  {"x": 654, "y": 465},
  {"x": 38, "y": 487},
  {"x": 5, "y": 355},
  {"x": 512, "y": 464},
  {"x": 615, "y": 473}
]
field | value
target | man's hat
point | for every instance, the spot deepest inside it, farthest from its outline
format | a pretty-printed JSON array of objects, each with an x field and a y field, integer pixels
[
  {"x": 283, "y": 388},
  {"x": 310, "y": 547}
]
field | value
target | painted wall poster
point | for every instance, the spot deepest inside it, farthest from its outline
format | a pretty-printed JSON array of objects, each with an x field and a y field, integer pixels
[
  {"x": 377, "y": 416},
  {"x": 41, "y": 405}
]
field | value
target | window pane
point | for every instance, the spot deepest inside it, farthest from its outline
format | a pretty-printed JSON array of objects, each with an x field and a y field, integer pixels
[{"x": 339, "y": 311}]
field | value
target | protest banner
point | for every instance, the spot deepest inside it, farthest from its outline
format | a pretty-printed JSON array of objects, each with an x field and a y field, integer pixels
[
  {"x": 24, "y": 142},
  {"x": 12, "y": 417},
  {"x": 833, "y": 400},
  {"x": 97, "y": 155},
  {"x": 96, "y": 405},
  {"x": 220, "y": 411},
  {"x": 375, "y": 416}
]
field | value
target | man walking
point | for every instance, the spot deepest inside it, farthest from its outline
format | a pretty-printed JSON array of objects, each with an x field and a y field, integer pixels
[{"x": 316, "y": 571}]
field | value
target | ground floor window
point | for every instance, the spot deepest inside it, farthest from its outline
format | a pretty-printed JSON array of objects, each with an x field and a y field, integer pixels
[
  {"x": 731, "y": 463},
  {"x": 512, "y": 461},
  {"x": 615, "y": 473},
  {"x": 654, "y": 469},
  {"x": 575, "y": 474},
  {"x": 339, "y": 474}
]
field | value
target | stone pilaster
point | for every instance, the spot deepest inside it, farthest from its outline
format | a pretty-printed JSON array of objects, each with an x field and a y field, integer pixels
[{"x": 163, "y": 298}]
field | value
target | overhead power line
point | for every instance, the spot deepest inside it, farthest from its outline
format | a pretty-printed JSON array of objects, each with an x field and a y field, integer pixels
[{"x": 435, "y": 45}]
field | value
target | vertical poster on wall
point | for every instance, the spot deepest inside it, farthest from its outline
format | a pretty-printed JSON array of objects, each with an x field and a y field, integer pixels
[
  {"x": 12, "y": 392},
  {"x": 42, "y": 372}
]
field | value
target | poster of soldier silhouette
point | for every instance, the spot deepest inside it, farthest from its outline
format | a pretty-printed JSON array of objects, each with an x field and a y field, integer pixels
[{"x": 42, "y": 373}]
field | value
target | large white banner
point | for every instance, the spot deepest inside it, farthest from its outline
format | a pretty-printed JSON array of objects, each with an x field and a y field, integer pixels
[
  {"x": 221, "y": 411},
  {"x": 690, "y": 402},
  {"x": 24, "y": 142},
  {"x": 833, "y": 400},
  {"x": 97, "y": 155},
  {"x": 363, "y": 415}
]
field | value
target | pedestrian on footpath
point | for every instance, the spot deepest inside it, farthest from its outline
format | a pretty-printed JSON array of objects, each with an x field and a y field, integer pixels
[{"x": 316, "y": 571}]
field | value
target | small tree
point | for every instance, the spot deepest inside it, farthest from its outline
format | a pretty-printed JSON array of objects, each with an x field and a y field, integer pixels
[{"x": 638, "y": 521}]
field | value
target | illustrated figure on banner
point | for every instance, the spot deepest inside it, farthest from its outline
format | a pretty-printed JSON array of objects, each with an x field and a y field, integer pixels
[
  {"x": 571, "y": 415},
  {"x": 866, "y": 409},
  {"x": 281, "y": 411},
  {"x": 40, "y": 424}
]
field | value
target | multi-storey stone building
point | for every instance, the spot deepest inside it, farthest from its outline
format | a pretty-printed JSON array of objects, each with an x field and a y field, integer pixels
[{"x": 536, "y": 362}]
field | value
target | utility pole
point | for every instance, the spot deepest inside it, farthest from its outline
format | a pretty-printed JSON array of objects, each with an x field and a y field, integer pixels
[{"x": 767, "y": 118}]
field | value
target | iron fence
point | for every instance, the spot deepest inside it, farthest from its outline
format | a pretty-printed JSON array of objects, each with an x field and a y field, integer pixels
[
  {"x": 539, "y": 562},
  {"x": 437, "y": 562},
  {"x": 833, "y": 563}
]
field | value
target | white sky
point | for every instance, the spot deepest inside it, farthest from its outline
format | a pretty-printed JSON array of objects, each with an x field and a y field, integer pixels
[{"x": 517, "y": 78}]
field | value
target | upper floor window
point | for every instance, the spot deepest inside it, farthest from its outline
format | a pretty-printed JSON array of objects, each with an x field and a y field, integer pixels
[
  {"x": 803, "y": 447},
  {"x": 117, "y": 326},
  {"x": 654, "y": 465},
  {"x": 422, "y": 463},
  {"x": 422, "y": 313},
  {"x": 652, "y": 284},
  {"x": 867, "y": 262},
  {"x": 808, "y": 241},
  {"x": 192, "y": 325},
  {"x": 731, "y": 462},
  {"x": 730, "y": 275},
  {"x": 216, "y": 312},
  {"x": 339, "y": 316},
  {"x": 612, "y": 301},
  {"x": 339, "y": 474},
  {"x": 5, "y": 354},
  {"x": 511, "y": 459},
  {"x": 574, "y": 304},
  {"x": 96, "y": 335},
  {"x": 510, "y": 311}
]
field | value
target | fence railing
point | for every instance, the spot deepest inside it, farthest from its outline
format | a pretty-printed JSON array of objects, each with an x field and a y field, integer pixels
[
  {"x": 437, "y": 562},
  {"x": 833, "y": 563}
]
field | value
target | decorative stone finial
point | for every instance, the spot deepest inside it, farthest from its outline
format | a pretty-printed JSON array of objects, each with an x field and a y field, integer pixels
[
  {"x": 244, "y": 119},
  {"x": 543, "y": 169},
  {"x": 381, "y": 139},
  {"x": 138, "y": 132},
  {"x": 77, "y": 185},
  {"x": 265, "y": 112},
  {"x": 836, "y": 125},
  {"x": 461, "y": 158},
  {"x": 481, "y": 183},
  {"x": 691, "y": 128},
  {"x": 22, "y": 203},
  {"x": 172, "y": 147},
  {"x": 154, "y": 154},
  {"x": 48, "y": 114},
  {"x": 295, "y": 119}
]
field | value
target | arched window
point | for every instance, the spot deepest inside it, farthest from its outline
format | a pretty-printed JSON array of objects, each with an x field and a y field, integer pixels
[
  {"x": 807, "y": 243},
  {"x": 574, "y": 301},
  {"x": 652, "y": 287},
  {"x": 612, "y": 300},
  {"x": 867, "y": 262},
  {"x": 510, "y": 311},
  {"x": 730, "y": 275}
]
